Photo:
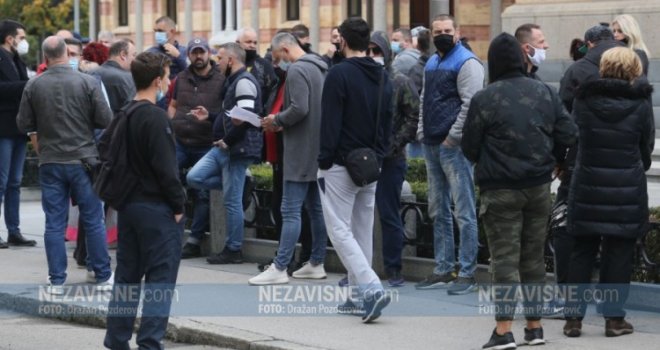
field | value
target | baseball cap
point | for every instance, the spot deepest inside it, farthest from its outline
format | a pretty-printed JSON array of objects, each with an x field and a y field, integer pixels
[
  {"x": 596, "y": 34},
  {"x": 198, "y": 43}
]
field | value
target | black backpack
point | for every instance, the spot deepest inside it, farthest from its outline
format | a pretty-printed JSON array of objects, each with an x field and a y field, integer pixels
[{"x": 116, "y": 179}]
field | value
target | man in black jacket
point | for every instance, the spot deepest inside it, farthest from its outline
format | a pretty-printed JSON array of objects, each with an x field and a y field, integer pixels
[
  {"x": 348, "y": 122},
  {"x": 515, "y": 132},
  {"x": 259, "y": 67},
  {"x": 150, "y": 224},
  {"x": 13, "y": 76}
]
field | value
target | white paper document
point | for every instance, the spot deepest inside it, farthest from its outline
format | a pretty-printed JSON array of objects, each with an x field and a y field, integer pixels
[{"x": 244, "y": 115}]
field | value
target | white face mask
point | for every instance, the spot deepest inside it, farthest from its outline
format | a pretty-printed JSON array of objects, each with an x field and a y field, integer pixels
[
  {"x": 538, "y": 58},
  {"x": 380, "y": 60},
  {"x": 23, "y": 47}
]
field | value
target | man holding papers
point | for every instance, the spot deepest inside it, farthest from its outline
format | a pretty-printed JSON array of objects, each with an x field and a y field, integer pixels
[{"x": 238, "y": 144}]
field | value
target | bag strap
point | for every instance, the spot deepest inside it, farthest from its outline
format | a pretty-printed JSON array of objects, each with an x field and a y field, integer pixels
[{"x": 378, "y": 109}]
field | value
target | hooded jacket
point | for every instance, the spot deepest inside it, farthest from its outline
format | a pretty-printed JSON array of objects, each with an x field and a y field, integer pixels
[
  {"x": 301, "y": 117},
  {"x": 608, "y": 194},
  {"x": 405, "y": 102},
  {"x": 515, "y": 125},
  {"x": 349, "y": 110}
]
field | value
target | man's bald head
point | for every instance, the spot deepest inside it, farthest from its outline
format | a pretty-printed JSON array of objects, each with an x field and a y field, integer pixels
[
  {"x": 54, "y": 49},
  {"x": 63, "y": 33},
  {"x": 247, "y": 38}
]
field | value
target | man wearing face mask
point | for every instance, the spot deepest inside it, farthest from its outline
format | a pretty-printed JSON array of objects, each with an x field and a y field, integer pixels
[
  {"x": 66, "y": 106},
  {"x": 406, "y": 54},
  {"x": 165, "y": 43},
  {"x": 388, "y": 190},
  {"x": 198, "y": 86},
  {"x": 532, "y": 41},
  {"x": 259, "y": 67},
  {"x": 333, "y": 55},
  {"x": 13, "y": 77},
  {"x": 451, "y": 78},
  {"x": 238, "y": 144}
]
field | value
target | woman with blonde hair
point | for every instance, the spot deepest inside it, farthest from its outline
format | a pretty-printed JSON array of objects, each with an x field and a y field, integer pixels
[
  {"x": 626, "y": 29},
  {"x": 608, "y": 200}
]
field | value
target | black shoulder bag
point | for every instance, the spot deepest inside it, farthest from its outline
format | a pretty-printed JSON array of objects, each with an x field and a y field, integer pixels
[{"x": 362, "y": 163}]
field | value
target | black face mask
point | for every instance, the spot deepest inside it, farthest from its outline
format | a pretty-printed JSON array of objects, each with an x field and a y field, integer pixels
[
  {"x": 307, "y": 47},
  {"x": 250, "y": 55},
  {"x": 625, "y": 40},
  {"x": 228, "y": 72},
  {"x": 444, "y": 43},
  {"x": 337, "y": 47}
]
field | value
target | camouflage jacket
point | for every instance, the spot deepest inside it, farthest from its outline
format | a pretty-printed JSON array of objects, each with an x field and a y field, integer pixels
[{"x": 406, "y": 114}]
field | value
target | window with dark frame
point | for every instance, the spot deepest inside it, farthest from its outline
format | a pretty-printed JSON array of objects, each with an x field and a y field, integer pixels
[
  {"x": 122, "y": 13},
  {"x": 354, "y": 8},
  {"x": 170, "y": 9},
  {"x": 292, "y": 10}
]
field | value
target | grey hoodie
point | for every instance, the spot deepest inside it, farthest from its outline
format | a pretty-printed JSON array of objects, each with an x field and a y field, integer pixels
[{"x": 301, "y": 117}]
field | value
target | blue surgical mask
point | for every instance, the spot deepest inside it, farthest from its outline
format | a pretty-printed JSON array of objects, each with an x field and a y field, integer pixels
[
  {"x": 396, "y": 47},
  {"x": 159, "y": 95},
  {"x": 284, "y": 65},
  {"x": 161, "y": 38},
  {"x": 73, "y": 63}
]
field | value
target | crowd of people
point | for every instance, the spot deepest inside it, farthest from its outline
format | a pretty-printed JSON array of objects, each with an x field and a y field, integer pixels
[{"x": 337, "y": 129}]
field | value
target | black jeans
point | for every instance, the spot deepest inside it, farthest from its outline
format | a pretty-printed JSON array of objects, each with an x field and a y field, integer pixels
[
  {"x": 149, "y": 245},
  {"x": 616, "y": 264}
]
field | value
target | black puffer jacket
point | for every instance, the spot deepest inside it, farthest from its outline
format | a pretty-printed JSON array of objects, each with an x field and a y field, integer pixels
[
  {"x": 608, "y": 193},
  {"x": 515, "y": 125}
]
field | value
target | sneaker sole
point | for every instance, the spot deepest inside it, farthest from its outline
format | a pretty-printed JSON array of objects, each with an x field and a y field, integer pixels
[
  {"x": 535, "y": 342},
  {"x": 310, "y": 277},
  {"x": 268, "y": 283},
  {"x": 379, "y": 305},
  {"x": 355, "y": 312},
  {"x": 502, "y": 347},
  {"x": 472, "y": 289},
  {"x": 438, "y": 285},
  {"x": 617, "y": 333}
]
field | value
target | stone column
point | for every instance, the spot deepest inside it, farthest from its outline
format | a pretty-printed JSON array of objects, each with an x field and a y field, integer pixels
[
  {"x": 315, "y": 28},
  {"x": 438, "y": 7},
  {"x": 380, "y": 15},
  {"x": 216, "y": 20},
  {"x": 76, "y": 16},
  {"x": 254, "y": 12},
  {"x": 495, "y": 18},
  {"x": 189, "y": 20},
  {"x": 139, "y": 27},
  {"x": 239, "y": 15},
  {"x": 229, "y": 16},
  {"x": 92, "y": 20}
]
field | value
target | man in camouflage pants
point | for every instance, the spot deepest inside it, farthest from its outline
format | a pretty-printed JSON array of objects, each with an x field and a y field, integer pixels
[{"x": 516, "y": 130}]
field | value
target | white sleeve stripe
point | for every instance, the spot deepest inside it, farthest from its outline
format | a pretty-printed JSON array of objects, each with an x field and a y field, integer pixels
[{"x": 245, "y": 103}]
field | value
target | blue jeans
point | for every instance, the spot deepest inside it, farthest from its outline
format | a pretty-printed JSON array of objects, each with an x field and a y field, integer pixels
[
  {"x": 414, "y": 150},
  {"x": 186, "y": 157},
  {"x": 12, "y": 158},
  {"x": 59, "y": 182},
  {"x": 295, "y": 193},
  {"x": 450, "y": 177},
  {"x": 149, "y": 245},
  {"x": 216, "y": 171},
  {"x": 388, "y": 201}
]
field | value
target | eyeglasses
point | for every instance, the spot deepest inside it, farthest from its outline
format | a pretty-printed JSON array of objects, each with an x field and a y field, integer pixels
[{"x": 374, "y": 50}]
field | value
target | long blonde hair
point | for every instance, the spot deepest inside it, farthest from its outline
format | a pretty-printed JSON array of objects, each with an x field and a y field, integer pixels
[{"x": 630, "y": 28}]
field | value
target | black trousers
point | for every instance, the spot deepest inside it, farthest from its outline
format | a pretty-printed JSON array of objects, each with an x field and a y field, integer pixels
[
  {"x": 149, "y": 246},
  {"x": 616, "y": 265}
]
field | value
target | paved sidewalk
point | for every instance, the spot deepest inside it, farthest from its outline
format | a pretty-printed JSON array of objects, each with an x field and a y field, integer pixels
[{"x": 215, "y": 306}]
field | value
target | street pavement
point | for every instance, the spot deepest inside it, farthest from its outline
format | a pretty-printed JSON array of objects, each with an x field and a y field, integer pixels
[{"x": 215, "y": 306}]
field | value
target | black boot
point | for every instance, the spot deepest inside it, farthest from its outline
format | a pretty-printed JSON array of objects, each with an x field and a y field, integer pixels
[{"x": 18, "y": 240}]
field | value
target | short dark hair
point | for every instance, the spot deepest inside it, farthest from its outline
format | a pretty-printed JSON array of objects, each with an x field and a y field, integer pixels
[
  {"x": 72, "y": 41},
  {"x": 524, "y": 32},
  {"x": 148, "y": 66},
  {"x": 9, "y": 27},
  {"x": 300, "y": 31},
  {"x": 446, "y": 17},
  {"x": 405, "y": 33},
  {"x": 424, "y": 40},
  {"x": 355, "y": 32},
  {"x": 118, "y": 47},
  {"x": 597, "y": 34}
]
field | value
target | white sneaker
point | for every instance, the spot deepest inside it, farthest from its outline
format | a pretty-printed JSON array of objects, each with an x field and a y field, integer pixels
[
  {"x": 55, "y": 289},
  {"x": 270, "y": 276},
  {"x": 91, "y": 277},
  {"x": 107, "y": 285},
  {"x": 310, "y": 271}
]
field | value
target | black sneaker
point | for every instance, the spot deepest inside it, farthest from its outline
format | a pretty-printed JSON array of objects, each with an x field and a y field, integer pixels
[
  {"x": 374, "y": 304},
  {"x": 434, "y": 281},
  {"x": 343, "y": 282},
  {"x": 3, "y": 244},
  {"x": 534, "y": 336},
  {"x": 191, "y": 250},
  {"x": 226, "y": 256},
  {"x": 351, "y": 307},
  {"x": 615, "y": 327},
  {"x": 500, "y": 342},
  {"x": 463, "y": 285},
  {"x": 395, "y": 279},
  {"x": 20, "y": 241}
]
